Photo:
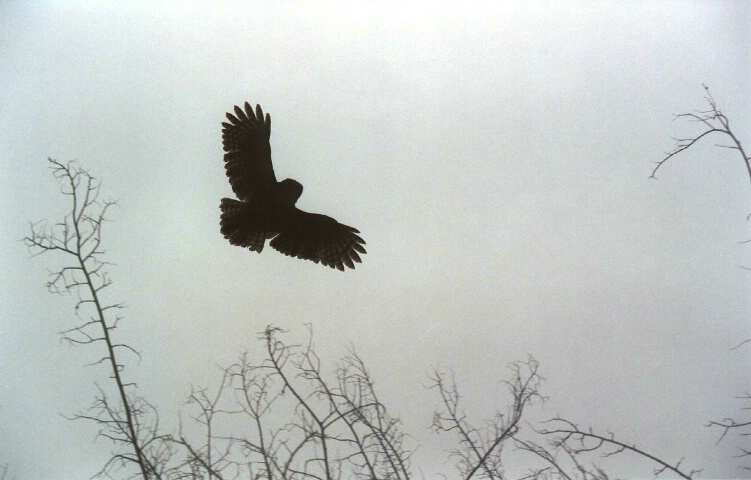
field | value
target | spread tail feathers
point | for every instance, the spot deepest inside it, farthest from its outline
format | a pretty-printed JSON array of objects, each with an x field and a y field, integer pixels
[{"x": 237, "y": 225}]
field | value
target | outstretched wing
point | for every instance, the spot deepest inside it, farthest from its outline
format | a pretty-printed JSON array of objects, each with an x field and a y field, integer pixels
[
  {"x": 248, "y": 153},
  {"x": 321, "y": 239}
]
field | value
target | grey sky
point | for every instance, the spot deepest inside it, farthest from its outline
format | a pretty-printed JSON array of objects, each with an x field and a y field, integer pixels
[{"x": 495, "y": 159}]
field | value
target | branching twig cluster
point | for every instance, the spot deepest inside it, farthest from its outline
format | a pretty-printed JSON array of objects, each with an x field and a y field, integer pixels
[
  {"x": 715, "y": 122},
  {"x": 741, "y": 428},
  {"x": 332, "y": 429},
  {"x": 480, "y": 450}
]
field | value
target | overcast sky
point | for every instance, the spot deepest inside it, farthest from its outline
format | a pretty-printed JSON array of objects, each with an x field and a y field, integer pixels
[{"x": 495, "y": 159}]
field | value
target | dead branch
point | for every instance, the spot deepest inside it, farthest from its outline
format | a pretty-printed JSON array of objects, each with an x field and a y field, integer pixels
[
  {"x": 570, "y": 437},
  {"x": 714, "y": 121}
]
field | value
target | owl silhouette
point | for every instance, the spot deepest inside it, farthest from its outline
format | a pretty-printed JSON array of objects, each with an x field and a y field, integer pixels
[{"x": 265, "y": 209}]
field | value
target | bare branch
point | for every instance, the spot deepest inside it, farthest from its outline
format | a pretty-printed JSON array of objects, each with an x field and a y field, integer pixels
[
  {"x": 715, "y": 122},
  {"x": 569, "y": 435}
]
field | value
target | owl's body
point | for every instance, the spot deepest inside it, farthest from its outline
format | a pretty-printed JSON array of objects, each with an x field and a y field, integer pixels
[{"x": 266, "y": 208}]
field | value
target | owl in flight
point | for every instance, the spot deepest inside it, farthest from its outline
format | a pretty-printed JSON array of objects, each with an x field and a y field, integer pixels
[{"x": 266, "y": 208}]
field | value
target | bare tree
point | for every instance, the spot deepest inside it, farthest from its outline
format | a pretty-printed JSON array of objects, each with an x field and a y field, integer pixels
[
  {"x": 560, "y": 447},
  {"x": 319, "y": 428},
  {"x": 126, "y": 419},
  {"x": 479, "y": 451},
  {"x": 208, "y": 460}
]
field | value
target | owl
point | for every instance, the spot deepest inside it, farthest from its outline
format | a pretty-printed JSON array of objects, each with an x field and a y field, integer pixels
[{"x": 265, "y": 209}]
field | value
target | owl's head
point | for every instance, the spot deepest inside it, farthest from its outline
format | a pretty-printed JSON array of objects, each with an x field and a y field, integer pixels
[{"x": 289, "y": 191}]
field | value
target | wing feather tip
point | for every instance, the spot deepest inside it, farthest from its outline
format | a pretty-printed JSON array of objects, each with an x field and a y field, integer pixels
[{"x": 240, "y": 114}]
